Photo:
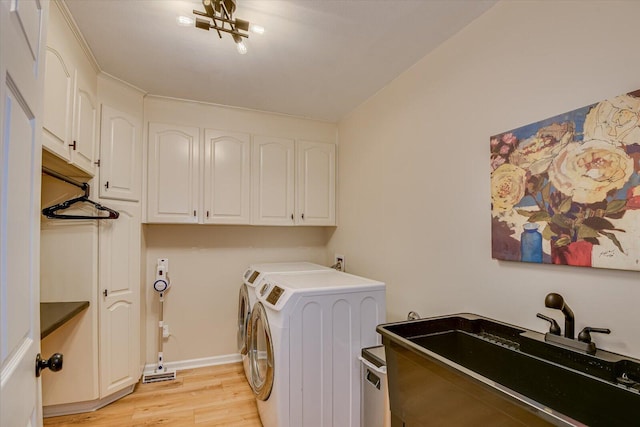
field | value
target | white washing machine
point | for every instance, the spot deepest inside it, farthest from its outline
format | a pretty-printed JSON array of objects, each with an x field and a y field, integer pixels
[
  {"x": 247, "y": 297},
  {"x": 307, "y": 332}
]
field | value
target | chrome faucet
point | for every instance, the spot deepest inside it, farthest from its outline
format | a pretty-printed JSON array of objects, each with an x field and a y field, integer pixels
[{"x": 556, "y": 301}]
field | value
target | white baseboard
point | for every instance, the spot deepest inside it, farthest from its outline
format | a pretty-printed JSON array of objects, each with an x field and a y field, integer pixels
[
  {"x": 195, "y": 363},
  {"x": 87, "y": 406}
]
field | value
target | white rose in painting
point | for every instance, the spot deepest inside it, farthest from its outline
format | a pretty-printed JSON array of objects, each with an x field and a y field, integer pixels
[
  {"x": 616, "y": 121},
  {"x": 588, "y": 171},
  {"x": 507, "y": 187},
  {"x": 536, "y": 153}
]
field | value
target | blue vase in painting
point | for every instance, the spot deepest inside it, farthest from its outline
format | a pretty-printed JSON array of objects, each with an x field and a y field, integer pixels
[{"x": 531, "y": 243}]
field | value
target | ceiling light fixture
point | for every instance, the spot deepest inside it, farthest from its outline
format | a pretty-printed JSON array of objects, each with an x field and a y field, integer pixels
[{"x": 220, "y": 18}]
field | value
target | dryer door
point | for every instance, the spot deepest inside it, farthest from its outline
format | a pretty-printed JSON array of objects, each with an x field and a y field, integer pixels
[
  {"x": 260, "y": 353},
  {"x": 244, "y": 316}
]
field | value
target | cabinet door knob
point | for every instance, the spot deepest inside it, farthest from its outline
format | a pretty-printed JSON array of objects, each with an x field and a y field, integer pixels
[
  {"x": 105, "y": 292},
  {"x": 73, "y": 145},
  {"x": 302, "y": 216},
  {"x": 106, "y": 185}
]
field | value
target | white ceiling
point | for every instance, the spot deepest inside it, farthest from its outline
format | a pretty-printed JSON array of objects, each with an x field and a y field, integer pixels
[{"x": 317, "y": 58}]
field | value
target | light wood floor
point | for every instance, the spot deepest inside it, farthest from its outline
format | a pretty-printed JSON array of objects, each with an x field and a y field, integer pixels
[{"x": 211, "y": 396}]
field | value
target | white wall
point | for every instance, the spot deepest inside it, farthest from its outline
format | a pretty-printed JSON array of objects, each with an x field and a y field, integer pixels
[
  {"x": 414, "y": 200},
  {"x": 206, "y": 262}
]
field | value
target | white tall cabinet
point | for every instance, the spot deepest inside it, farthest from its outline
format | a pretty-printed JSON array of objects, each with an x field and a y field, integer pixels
[
  {"x": 119, "y": 299},
  {"x": 91, "y": 260}
]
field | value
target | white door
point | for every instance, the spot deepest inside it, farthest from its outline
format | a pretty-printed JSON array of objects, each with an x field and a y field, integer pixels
[
  {"x": 315, "y": 201},
  {"x": 273, "y": 181},
  {"x": 22, "y": 38},
  {"x": 119, "y": 301},
  {"x": 174, "y": 173},
  {"x": 120, "y": 151},
  {"x": 227, "y": 158}
]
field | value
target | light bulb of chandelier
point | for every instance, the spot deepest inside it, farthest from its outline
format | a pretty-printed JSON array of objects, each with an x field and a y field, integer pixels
[
  {"x": 242, "y": 48},
  {"x": 184, "y": 21},
  {"x": 257, "y": 29}
]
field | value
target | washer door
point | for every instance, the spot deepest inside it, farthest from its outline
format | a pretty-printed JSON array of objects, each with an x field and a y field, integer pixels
[
  {"x": 260, "y": 353},
  {"x": 244, "y": 316}
]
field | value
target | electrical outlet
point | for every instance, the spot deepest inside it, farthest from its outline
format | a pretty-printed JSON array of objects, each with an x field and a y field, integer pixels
[
  {"x": 165, "y": 331},
  {"x": 339, "y": 262}
]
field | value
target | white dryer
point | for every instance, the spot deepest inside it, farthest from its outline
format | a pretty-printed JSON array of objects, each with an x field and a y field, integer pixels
[
  {"x": 307, "y": 332},
  {"x": 247, "y": 297}
]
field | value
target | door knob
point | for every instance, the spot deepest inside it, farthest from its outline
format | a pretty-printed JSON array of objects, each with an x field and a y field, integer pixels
[{"x": 54, "y": 363}]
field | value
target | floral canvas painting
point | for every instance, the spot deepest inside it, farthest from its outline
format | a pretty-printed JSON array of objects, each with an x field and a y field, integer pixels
[{"x": 566, "y": 190}]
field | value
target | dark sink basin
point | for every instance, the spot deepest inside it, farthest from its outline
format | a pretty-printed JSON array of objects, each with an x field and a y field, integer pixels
[{"x": 601, "y": 389}]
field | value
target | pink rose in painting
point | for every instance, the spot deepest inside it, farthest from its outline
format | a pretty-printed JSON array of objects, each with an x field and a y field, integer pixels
[
  {"x": 633, "y": 197},
  {"x": 494, "y": 142},
  {"x": 496, "y": 161},
  {"x": 509, "y": 139},
  {"x": 504, "y": 150}
]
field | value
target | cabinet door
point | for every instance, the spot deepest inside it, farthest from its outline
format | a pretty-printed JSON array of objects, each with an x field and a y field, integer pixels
[
  {"x": 120, "y": 151},
  {"x": 173, "y": 187},
  {"x": 119, "y": 299},
  {"x": 227, "y": 177},
  {"x": 84, "y": 128},
  {"x": 316, "y": 172},
  {"x": 58, "y": 92},
  {"x": 273, "y": 181}
]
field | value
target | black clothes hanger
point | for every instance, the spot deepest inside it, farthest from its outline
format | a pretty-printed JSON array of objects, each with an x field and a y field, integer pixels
[{"x": 51, "y": 211}]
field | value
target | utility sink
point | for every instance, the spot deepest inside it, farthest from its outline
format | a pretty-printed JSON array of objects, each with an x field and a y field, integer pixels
[{"x": 561, "y": 385}]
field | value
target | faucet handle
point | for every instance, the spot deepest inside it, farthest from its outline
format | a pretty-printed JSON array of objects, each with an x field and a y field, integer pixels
[
  {"x": 554, "y": 328},
  {"x": 585, "y": 334}
]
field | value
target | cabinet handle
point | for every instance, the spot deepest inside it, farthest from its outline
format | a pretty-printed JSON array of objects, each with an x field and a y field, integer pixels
[
  {"x": 302, "y": 216},
  {"x": 194, "y": 213},
  {"x": 73, "y": 146},
  {"x": 97, "y": 163},
  {"x": 207, "y": 214},
  {"x": 292, "y": 218},
  {"x": 105, "y": 292},
  {"x": 106, "y": 185}
]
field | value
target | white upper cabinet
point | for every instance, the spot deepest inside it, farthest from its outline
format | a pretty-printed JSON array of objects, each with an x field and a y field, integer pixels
[
  {"x": 70, "y": 107},
  {"x": 120, "y": 155},
  {"x": 315, "y": 183},
  {"x": 84, "y": 143},
  {"x": 227, "y": 177},
  {"x": 173, "y": 190},
  {"x": 273, "y": 181},
  {"x": 58, "y": 105}
]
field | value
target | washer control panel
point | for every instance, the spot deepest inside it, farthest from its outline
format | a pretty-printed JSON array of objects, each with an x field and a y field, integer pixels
[
  {"x": 275, "y": 295},
  {"x": 253, "y": 277}
]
